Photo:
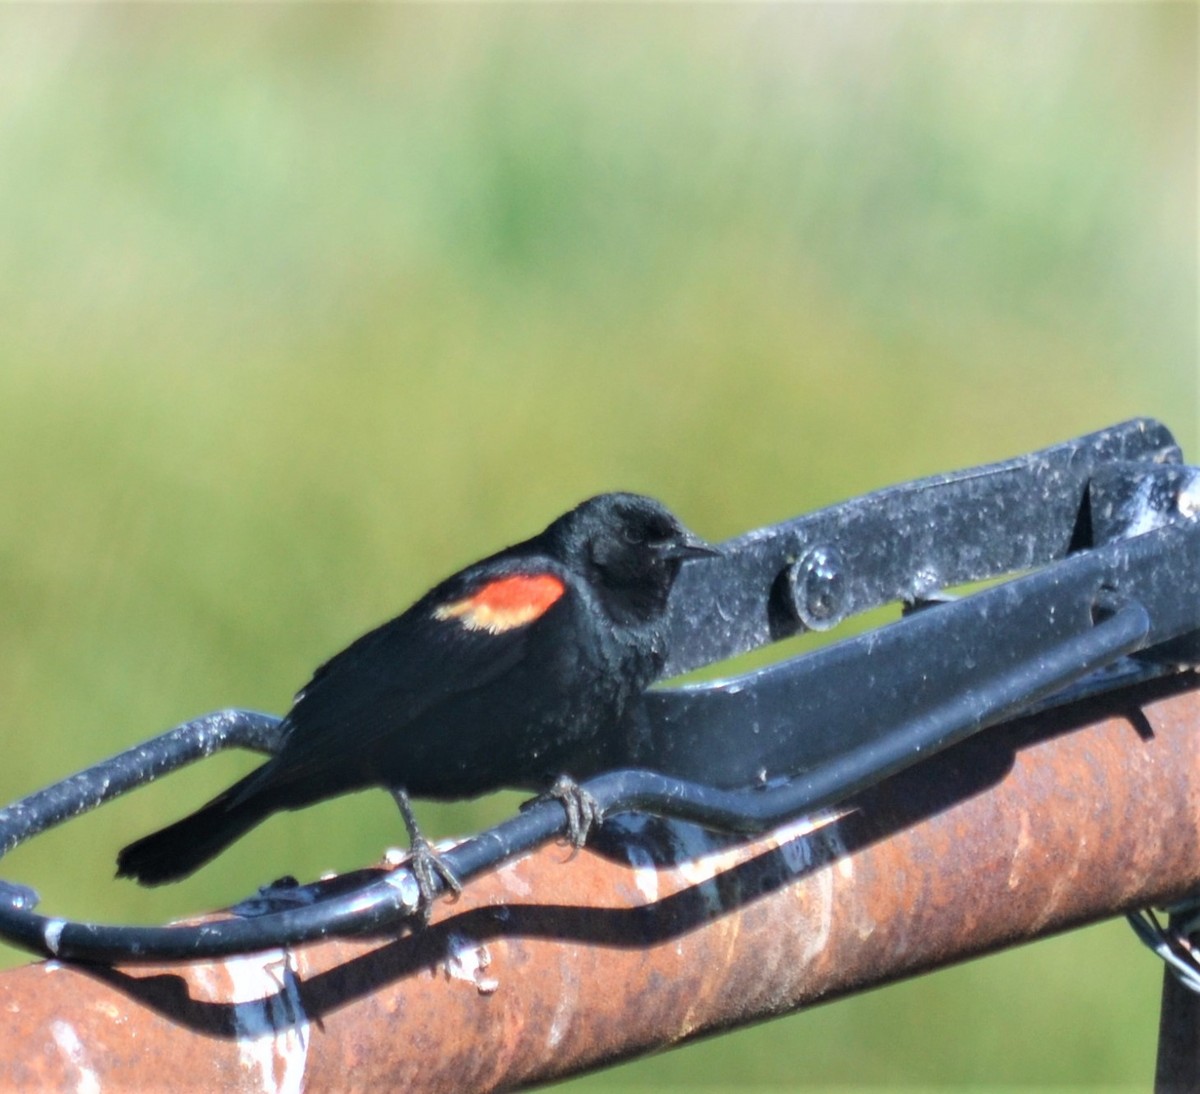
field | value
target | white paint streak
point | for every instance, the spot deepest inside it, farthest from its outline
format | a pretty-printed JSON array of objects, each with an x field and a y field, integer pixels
[
  {"x": 830, "y": 835},
  {"x": 469, "y": 960},
  {"x": 513, "y": 881},
  {"x": 52, "y": 933},
  {"x": 268, "y": 1017},
  {"x": 394, "y": 856},
  {"x": 799, "y": 852},
  {"x": 645, "y": 876},
  {"x": 564, "y": 1009},
  {"x": 702, "y": 864},
  {"x": 405, "y": 883},
  {"x": 790, "y": 838},
  {"x": 1189, "y": 499},
  {"x": 1024, "y": 845},
  {"x": 69, "y": 1045}
]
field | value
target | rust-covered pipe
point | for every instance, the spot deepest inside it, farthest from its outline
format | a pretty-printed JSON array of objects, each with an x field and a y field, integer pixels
[{"x": 662, "y": 932}]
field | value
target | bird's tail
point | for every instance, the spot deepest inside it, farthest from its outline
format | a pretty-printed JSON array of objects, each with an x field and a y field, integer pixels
[{"x": 183, "y": 847}]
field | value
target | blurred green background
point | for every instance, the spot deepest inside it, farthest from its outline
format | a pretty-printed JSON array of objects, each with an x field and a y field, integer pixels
[{"x": 303, "y": 308}]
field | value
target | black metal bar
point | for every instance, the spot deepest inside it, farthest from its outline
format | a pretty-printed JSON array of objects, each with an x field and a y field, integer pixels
[
  {"x": 381, "y": 904},
  {"x": 1104, "y": 516},
  {"x": 800, "y": 714},
  {"x": 1177, "y": 1065},
  {"x": 135, "y": 767},
  {"x": 899, "y": 544}
]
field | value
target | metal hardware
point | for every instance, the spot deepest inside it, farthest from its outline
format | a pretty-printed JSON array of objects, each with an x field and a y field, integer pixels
[{"x": 1102, "y": 531}]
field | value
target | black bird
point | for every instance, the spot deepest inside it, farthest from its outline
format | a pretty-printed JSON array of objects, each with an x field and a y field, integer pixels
[{"x": 510, "y": 673}]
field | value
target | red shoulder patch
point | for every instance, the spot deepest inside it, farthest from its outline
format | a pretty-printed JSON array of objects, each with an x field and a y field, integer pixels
[{"x": 504, "y": 603}]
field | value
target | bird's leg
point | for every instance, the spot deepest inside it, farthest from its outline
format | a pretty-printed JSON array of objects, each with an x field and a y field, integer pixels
[
  {"x": 425, "y": 860},
  {"x": 583, "y": 811}
]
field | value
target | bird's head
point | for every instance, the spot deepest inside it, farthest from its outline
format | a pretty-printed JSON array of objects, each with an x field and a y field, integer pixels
[{"x": 629, "y": 547}]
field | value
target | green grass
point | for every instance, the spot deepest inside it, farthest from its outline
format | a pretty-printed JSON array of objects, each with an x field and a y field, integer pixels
[{"x": 304, "y": 308}]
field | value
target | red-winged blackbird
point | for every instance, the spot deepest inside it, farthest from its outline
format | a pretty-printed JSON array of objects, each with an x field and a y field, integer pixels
[{"x": 514, "y": 671}]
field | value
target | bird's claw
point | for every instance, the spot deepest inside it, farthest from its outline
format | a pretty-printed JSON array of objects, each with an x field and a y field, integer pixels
[
  {"x": 425, "y": 860},
  {"x": 427, "y": 866},
  {"x": 583, "y": 811}
]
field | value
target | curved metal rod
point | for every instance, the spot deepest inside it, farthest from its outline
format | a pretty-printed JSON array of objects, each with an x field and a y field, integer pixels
[
  {"x": 93, "y": 786},
  {"x": 385, "y": 901}
]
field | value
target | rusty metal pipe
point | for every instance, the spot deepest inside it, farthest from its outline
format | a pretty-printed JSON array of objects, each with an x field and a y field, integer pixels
[{"x": 663, "y": 932}]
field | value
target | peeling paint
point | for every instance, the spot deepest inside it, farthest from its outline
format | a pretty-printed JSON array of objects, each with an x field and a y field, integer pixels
[
  {"x": 1023, "y": 844},
  {"x": 269, "y": 1020},
  {"x": 52, "y": 933},
  {"x": 645, "y": 873},
  {"x": 821, "y": 925},
  {"x": 1061, "y": 804},
  {"x": 514, "y": 881},
  {"x": 703, "y": 857},
  {"x": 565, "y": 1006},
  {"x": 469, "y": 960},
  {"x": 87, "y": 1082},
  {"x": 405, "y": 883},
  {"x": 111, "y": 1012},
  {"x": 701, "y": 864},
  {"x": 800, "y": 853},
  {"x": 1189, "y": 499}
]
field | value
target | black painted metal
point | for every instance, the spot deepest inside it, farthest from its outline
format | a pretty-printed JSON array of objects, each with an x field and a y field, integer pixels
[
  {"x": 904, "y": 542},
  {"x": 1108, "y": 524}
]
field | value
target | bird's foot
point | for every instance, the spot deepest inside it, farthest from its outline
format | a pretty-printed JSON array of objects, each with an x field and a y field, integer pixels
[
  {"x": 427, "y": 866},
  {"x": 583, "y": 811},
  {"x": 425, "y": 861}
]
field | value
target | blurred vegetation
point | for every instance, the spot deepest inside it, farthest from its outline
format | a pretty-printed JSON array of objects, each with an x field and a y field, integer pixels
[{"x": 304, "y": 308}]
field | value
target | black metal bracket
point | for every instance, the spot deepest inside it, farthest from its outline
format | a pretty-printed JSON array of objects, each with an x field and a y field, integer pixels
[{"x": 1103, "y": 533}]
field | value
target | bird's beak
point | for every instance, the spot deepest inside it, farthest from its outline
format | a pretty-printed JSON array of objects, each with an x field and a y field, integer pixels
[{"x": 690, "y": 546}]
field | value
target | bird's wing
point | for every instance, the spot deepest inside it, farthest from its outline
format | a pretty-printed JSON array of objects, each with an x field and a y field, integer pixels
[{"x": 459, "y": 637}]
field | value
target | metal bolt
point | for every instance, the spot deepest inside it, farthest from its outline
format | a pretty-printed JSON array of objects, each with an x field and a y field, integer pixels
[{"x": 816, "y": 586}]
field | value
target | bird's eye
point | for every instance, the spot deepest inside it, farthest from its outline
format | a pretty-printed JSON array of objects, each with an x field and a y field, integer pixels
[{"x": 641, "y": 535}]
